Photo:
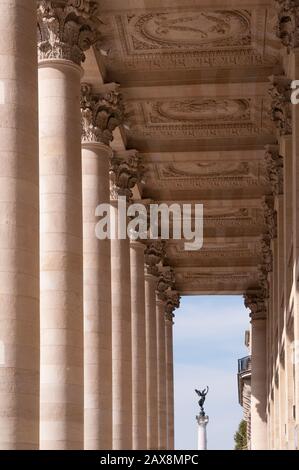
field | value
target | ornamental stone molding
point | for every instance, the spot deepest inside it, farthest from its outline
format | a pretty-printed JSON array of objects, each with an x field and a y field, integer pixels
[
  {"x": 263, "y": 280},
  {"x": 166, "y": 282},
  {"x": 280, "y": 93},
  {"x": 270, "y": 216},
  {"x": 66, "y": 29},
  {"x": 274, "y": 166},
  {"x": 101, "y": 113},
  {"x": 169, "y": 38},
  {"x": 125, "y": 173},
  {"x": 288, "y": 23},
  {"x": 256, "y": 303},
  {"x": 267, "y": 255},
  {"x": 153, "y": 255},
  {"x": 173, "y": 300}
]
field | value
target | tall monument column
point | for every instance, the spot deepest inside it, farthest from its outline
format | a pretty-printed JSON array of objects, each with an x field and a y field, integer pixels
[
  {"x": 101, "y": 114},
  {"x": 256, "y": 304},
  {"x": 139, "y": 413},
  {"x": 202, "y": 420},
  {"x": 202, "y": 439},
  {"x": 65, "y": 30},
  {"x": 153, "y": 255},
  {"x": 19, "y": 238},
  {"x": 172, "y": 302},
  {"x": 124, "y": 175}
]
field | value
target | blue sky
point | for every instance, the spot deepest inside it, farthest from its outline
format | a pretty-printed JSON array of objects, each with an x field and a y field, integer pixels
[{"x": 208, "y": 341}]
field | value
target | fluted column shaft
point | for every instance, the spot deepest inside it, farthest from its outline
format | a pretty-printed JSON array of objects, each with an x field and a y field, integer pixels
[
  {"x": 161, "y": 350},
  {"x": 295, "y": 214},
  {"x": 138, "y": 346},
  {"x": 258, "y": 384},
  {"x": 169, "y": 381},
  {"x": 121, "y": 341},
  {"x": 61, "y": 256},
  {"x": 97, "y": 301},
  {"x": 151, "y": 361},
  {"x": 124, "y": 170},
  {"x": 65, "y": 31},
  {"x": 19, "y": 239}
]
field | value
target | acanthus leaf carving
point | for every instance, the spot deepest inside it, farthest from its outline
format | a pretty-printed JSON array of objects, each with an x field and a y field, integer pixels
[
  {"x": 125, "y": 172},
  {"x": 267, "y": 255},
  {"x": 270, "y": 216},
  {"x": 280, "y": 93},
  {"x": 255, "y": 301},
  {"x": 274, "y": 166},
  {"x": 288, "y": 23},
  {"x": 165, "y": 282},
  {"x": 66, "y": 29},
  {"x": 173, "y": 300},
  {"x": 154, "y": 254},
  {"x": 101, "y": 113}
]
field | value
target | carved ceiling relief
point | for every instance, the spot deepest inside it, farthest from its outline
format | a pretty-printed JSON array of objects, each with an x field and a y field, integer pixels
[
  {"x": 197, "y": 109},
  {"x": 200, "y": 117},
  {"x": 207, "y": 175},
  {"x": 155, "y": 39},
  {"x": 236, "y": 250},
  {"x": 186, "y": 29}
]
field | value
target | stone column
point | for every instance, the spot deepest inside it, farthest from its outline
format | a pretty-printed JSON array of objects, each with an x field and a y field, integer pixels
[
  {"x": 202, "y": 441},
  {"x": 173, "y": 302},
  {"x": 139, "y": 414},
  {"x": 65, "y": 30},
  {"x": 124, "y": 175},
  {"x": 258, "y": 371},
  {"x": 295, "y": 207},
  {"x": 101, "y": 114},
  {"x": 153, "y": 256},
  {"x": 19, "y": 239},
  {"x": 165, "y": 282},
  {"x": 161, "y": 351}
]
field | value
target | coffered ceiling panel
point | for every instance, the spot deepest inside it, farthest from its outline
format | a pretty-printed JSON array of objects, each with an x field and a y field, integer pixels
[{"x": 150, "y": 43}]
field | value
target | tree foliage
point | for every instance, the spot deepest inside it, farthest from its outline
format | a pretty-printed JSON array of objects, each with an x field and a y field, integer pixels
[{"x": 241, "y": 436}]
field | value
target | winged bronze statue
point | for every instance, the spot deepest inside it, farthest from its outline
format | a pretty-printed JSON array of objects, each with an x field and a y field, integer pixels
[{"x": 202, "y": 394}]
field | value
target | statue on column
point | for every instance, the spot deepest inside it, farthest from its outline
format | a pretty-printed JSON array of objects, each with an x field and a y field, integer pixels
[{"x": 202, "y": 394}]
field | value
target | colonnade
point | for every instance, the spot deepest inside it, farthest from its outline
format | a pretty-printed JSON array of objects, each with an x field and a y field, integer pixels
[
  {"x": 85, "y": 342},
  {"x": 274, "y": 306}
]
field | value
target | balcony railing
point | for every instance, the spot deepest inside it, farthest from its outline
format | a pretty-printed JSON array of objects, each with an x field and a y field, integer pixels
[{"x": 244, "y": 364}]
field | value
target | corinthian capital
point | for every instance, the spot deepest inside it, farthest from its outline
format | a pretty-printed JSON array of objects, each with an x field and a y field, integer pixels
[
  {"x": 66, "y": 29},
  {"x": 263, "y": 280},
  {"x": 256, "y": 303},
  {"x": 166, "y": 282},
  {"x": 266, "y": 252},
  {"x": 101, "y": 113},
  {"x": 270, "y": 216},
  {"x": 280, "y": 92},
  {"x": 288, "y": 22},
  {"x": 274, "y": 166},
  {"x": 125, "y": 172},
  {"x": 153, "y": 255},
  {"x": 172, "y": 303}
]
